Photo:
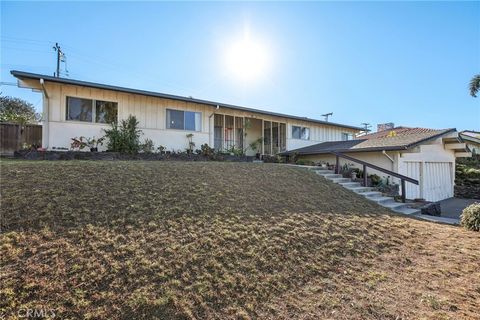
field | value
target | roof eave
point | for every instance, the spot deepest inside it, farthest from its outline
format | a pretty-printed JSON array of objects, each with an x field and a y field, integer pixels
[{"x": 22, "y": 74}]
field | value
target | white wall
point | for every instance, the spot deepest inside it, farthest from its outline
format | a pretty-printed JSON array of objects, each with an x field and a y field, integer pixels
[
  {"x": 151, "y": 114},
  {"x": 318, "y": 133}
]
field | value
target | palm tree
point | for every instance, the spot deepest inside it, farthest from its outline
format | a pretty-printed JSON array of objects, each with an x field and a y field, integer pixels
[{"x": 475, "y": 85}]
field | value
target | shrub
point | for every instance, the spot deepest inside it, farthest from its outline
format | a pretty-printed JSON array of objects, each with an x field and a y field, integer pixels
[
  {"x": 303, "y": 162},
  {"x": 148, "y": 146},
  {"x": 206, "y": 150},
  {"x": 470, "y": 218},
  {"x": 124, "y": 138}
]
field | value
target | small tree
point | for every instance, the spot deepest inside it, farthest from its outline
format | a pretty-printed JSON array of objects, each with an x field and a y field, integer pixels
[
  {"x": 124, "y": 137},
  {"x": 17, "y": 110}
]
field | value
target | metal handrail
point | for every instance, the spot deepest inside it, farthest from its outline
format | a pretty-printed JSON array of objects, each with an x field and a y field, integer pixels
[{"x": 365, "y": 164}]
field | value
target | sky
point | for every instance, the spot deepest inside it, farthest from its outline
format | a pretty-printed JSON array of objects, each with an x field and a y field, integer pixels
[{"x": 367, "y": 62}]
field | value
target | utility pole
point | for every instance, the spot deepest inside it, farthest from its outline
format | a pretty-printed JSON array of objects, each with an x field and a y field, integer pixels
[
  {"x": 366, "y": 126},
  {"x": 59, "y": 55},
  {"x": 326, "y": 115}
]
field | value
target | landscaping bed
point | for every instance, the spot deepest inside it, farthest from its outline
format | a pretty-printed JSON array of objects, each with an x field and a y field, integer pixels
[{"x": 86, "y": 155}]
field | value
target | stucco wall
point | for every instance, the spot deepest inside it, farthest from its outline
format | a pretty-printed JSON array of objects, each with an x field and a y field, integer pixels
[{"x": 375, "y": 158}]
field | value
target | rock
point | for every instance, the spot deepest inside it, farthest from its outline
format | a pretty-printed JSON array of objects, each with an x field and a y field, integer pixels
[{"x": 432, "y": 209}]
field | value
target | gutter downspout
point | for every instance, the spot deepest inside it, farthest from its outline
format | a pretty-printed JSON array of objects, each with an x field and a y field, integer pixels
[
  {"x": 386, "y": 155},
  {"x": 46, "y": 111},
  {"x": 210, "y": 138}
]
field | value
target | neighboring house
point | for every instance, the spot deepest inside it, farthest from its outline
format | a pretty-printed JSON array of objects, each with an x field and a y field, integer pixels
[
  {"x": 472, "y": 139},
  {"x": 74, "y": 108},
  {"x": 426, "y": 155}
]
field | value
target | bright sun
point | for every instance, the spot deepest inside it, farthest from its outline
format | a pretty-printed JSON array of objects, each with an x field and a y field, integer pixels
[{"x": 247, "y": 59}]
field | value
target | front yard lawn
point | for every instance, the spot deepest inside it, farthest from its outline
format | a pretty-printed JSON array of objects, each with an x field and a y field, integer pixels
[{"x": 206, "y": 240}]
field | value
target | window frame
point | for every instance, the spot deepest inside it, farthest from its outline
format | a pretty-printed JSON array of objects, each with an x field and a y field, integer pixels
[
  {"x": 94, "y": 110},
  {"x": 348, "y": 135},
  {"x": 167, "y": 124},
  {"x": 301, "y": 129}
]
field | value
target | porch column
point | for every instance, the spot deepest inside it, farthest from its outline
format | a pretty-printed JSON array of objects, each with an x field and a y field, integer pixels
[
  {"x": 263, "y": 140},
  {"x": 271, "y": 137},
  {"x": 223, "y": 133},
  {"x": 234, "y": 133}
]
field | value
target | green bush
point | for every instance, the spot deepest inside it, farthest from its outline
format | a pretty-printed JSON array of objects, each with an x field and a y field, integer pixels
[
  {"x": 206, "y": 150},
  {"x": 148, "y": 146},
  {"x": 125, "y": 137},
  {"x": 470, "y": 218}
]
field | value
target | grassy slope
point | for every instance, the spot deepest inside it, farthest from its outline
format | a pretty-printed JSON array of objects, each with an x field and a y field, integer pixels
[{"x": 123, "y": 240}]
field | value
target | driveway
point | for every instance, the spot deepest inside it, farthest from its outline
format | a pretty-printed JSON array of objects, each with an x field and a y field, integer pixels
[{"x": 452, "y": 207}]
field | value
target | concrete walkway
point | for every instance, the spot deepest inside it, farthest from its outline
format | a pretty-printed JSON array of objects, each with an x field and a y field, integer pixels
[
  {"x": 453, "y": 207},
  {"x": 452, "y": 221},
  {"x": 451, "y": 210}
]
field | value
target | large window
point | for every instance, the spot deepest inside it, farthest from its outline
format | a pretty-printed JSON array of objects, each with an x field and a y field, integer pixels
[
  {"x": 79, "y": 109},
  {"x": 302, "y": 133},
  {"x": 184, "y": 120},
  {"x": 106, "y": 112}
]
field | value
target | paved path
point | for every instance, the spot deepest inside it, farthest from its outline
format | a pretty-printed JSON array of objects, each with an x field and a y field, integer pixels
[
  {"x": 452, "y": 221},
  {"x": 453, "y": 207}
]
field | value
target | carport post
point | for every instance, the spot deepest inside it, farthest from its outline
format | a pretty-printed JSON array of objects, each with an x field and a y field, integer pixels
[
  {"x": 337, "y": 165},
  {"x": 365, "y": 179}
]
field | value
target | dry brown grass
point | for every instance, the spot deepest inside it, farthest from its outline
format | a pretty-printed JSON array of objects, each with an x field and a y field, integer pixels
[{"x": 146, "y": 240}]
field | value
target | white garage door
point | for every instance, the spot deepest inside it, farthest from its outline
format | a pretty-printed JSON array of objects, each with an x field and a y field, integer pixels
[
  {"x": 438, "y": 181},
  {"x": 412, "y": 169}
]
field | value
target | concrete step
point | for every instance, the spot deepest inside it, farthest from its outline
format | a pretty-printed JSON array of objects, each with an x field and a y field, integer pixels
[
  {"x": 320, "y": 170},
  {"x": 382, "y": 200},
  {"x": 350, "y": 184},
  {"x": 360, "y": 189},
  {"x": 331, "y": 175},
  {"x": 371, "y": 194},
  {"x": 394, "y": 205},
  {"x": 407, "y": 210},
  {"x": 340, "y": 180}
]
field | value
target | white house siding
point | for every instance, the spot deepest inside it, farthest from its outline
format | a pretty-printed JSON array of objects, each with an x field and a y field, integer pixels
[
  {"x": 151, "y": 114},
  {"x": 318, "y": 134}
]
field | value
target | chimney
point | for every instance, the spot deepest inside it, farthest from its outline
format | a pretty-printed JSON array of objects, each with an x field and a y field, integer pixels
[{"x": 385, "y": 126}]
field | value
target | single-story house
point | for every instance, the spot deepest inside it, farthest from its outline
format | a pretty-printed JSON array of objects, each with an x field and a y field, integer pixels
[
  {"x": 426, "y": 155},
  {"x": 73, "y": 108},
  {"x": 472, "y": 139}
]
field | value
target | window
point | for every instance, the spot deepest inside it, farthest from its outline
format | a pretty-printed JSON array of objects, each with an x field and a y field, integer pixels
[
  {"x": 184, "y": 120},
  {"x": 347, "y": 136},
  {"x": 79, "y": 109},
  {"x": 302, "y": 133},
  {"x": 106, "y": 112}
]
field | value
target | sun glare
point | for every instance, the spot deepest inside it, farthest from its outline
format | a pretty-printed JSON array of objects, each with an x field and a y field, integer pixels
[{"x": 247, "y": 59}]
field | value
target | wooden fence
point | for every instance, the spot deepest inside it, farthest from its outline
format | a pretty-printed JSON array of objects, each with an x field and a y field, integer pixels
[{"x": 14, "y": 136}]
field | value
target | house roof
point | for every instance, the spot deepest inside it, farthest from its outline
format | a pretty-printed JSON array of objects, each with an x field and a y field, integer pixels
[
  {"x": 28, "y": 75},
  {"x": 471, "y": 136},
  {"x": 400, "y": 138}
]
